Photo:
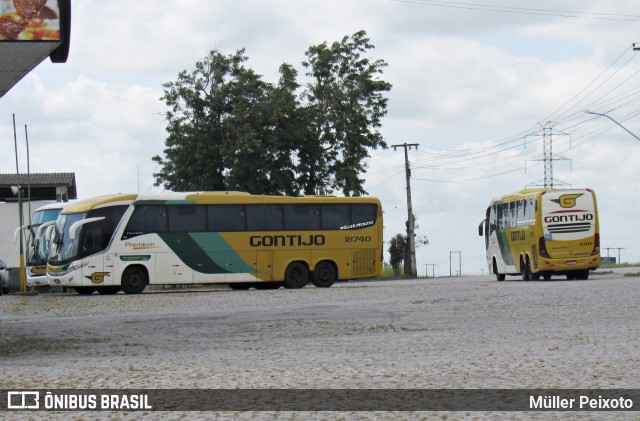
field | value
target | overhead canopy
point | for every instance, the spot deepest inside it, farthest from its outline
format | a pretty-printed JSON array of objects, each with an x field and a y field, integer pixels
[
  {"x": 31, "y": 31},
  {"x": 39, "y": 186}
]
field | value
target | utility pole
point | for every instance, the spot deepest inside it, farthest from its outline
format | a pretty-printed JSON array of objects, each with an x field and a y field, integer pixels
[
  {"x": 433, "y": 269},
  {"x": 459, "y": 262},
  {"x": 614, "y": 248},
  {"x": 23, "y": 279},
  {"x": 413, "y": 270}
]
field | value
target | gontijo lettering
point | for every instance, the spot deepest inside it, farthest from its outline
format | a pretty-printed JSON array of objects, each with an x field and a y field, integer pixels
[
  {"x": 569, "y": 218},
  {"x": 286, "y": 240}
]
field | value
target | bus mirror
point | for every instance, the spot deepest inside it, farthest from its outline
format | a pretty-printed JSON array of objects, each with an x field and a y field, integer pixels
[
  {"x": 42, "y": 227},
  {"x": 481, "y": 228},
  {"x": 73, "y": 229},
  {"x": 18, "y": 232},
  {"x": 47, "y": 234}
]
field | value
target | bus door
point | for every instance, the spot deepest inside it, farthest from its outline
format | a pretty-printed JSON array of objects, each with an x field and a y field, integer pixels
[
  {"x": 264, "y": 265},
  {"x": 170, "y": 269},
  {"x": 93, "y": 272}
]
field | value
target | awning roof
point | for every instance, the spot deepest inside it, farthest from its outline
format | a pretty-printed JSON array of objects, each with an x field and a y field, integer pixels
[{"x": 18, "y": 57}]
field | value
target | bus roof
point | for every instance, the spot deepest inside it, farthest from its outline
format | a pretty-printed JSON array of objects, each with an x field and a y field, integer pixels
[
  {"x": 231, "y": 197},
  {"x": 533, "y": 192},
  {"x": 54, "y": 205},
  {"x": 99, "y": 201}
]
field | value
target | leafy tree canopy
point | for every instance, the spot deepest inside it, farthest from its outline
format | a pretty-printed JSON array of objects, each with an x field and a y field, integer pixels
[{"x": 230, "y": 130}]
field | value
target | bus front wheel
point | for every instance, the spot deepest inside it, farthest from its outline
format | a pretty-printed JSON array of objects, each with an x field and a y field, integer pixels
[
  {"x": 324, "y": 275},
  {"x": 296, "y": 276},
  {"x": 499, "y": 276},
  {"x": 134, "y": 280},
  {"x": 85, "y": 290}
]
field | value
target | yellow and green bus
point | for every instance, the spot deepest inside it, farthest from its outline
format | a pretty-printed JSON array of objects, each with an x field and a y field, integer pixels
[
  {"x": 128, "y": 241},
  {"x": 542, "y": 232}
]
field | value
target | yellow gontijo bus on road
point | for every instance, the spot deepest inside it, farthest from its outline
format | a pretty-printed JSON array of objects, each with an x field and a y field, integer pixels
[
  {"x": 129, "y": 241},
  {"x": 542, "y": 232}
]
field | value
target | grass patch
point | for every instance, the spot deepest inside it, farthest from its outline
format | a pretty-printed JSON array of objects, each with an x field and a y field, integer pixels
[
  {"x": 619, "y": 265},
  {"x": 21, "y": 345}
]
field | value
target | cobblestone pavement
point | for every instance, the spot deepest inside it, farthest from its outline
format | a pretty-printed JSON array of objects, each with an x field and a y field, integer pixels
[{"x": 443, "y": 333}]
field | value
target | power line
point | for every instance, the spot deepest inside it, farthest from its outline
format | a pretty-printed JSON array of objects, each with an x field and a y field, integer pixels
[{"x": 524, "y": 10}]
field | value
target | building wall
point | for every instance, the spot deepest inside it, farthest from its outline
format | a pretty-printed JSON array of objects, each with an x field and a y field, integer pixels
[{"x": 9, "y": 221}]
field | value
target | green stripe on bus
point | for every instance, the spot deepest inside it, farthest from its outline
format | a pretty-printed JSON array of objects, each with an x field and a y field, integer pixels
[{"x": 206, "y": 253}]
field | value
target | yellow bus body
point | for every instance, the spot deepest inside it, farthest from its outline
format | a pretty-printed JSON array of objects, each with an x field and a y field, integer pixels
[
  {"x": 299, "y": 237},
  {"x": 543, "y": 232}
]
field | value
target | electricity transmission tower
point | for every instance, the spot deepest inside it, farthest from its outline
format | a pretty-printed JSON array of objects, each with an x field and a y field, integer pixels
[{"x": 547, "y": 155}]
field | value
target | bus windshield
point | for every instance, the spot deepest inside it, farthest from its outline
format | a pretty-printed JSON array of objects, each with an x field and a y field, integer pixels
[
  {"x": 64, "y": 248},
  {"x": 41, "y": 244},
  {"x": 86, "y": 239}
]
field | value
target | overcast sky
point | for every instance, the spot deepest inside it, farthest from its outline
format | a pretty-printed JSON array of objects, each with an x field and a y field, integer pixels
[{"x": 473, "y": 83}]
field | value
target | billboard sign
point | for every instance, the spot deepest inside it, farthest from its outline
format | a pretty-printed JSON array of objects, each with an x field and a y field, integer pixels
[{"x": 29, "y": 20}]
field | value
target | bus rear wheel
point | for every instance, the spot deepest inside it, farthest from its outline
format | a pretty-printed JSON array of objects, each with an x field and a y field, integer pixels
[
  {"x": 134, "y": 280},
  {"x": 324, "y": 275},
  {"x": 296, "y": 276},
  {"x": 526, "y": 269}
]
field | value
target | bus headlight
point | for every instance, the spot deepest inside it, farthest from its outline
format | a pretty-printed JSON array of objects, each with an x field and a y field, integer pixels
[{"x": 64, "y": 269}]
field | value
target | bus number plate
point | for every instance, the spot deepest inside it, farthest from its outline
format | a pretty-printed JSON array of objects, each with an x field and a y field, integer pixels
[{"x": 361, "y": 239}]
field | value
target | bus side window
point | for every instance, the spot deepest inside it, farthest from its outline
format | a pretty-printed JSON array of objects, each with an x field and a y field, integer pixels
[
  {"x": 190, "y": 218},
  {"x": 146, "y": 219},
  {"x": 301, "y": 217},
  {"x": 363, "y": 213},
  {"x": 335, "y": 217},
  {"x": 224, "y": 218},
  {"x": 264, "y": 218},
  {"x": 491, "y": 217},
  {"x": 513, "y": 218},
  {"x": 501, "y": 222}
]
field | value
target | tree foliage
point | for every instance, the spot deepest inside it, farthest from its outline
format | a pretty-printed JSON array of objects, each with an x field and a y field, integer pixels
[
  {"x": 399, "y": 249},
  {"x": 397, "y": 252},
  {"x": 230, "y": 130},
  {"x": 345, "y": 105}
]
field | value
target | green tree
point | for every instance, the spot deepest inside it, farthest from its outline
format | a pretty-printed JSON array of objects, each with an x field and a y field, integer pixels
[
  {"x": 230, "y": 130},
  {"x": 345, "y": 104},
  {"x": 397, "y": 252},
  {"x": 224, "y": 129}
]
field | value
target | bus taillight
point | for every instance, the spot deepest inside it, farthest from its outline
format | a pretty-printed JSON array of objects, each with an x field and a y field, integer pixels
[
  {"x": 542, "y": 248},
  {"x": 596, "y": 245}
]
